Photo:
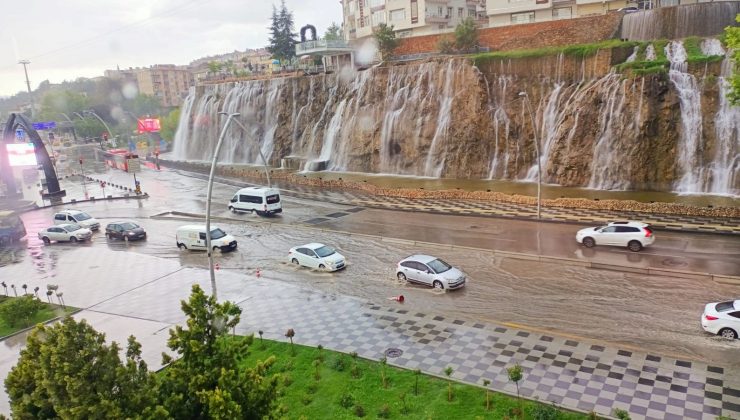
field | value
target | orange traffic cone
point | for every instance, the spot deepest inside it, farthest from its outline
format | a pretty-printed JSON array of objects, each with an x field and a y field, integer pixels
[
  {"x": 259, "y": 274},
  {"x": 217, "y": 267},
  {"x": 398, "y": 298}
]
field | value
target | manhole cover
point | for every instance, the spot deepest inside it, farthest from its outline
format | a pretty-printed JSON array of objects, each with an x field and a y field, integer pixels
[{"x": 393, "y": 353}]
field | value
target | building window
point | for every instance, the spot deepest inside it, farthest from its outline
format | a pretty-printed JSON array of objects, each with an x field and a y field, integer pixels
[
  {"x": 460, "y": 12},
  {"x": 378, "y": 18},
  {"x": 561, "y": 13},
  {"x": 376, "y": 3},
  {"x": 414, "y": 11},
  {"x": 351, "y": 7},
  {"x": 471, "y": 13},
  {"x": 450, "y": 11},
  {"x": 525, "y": 17},
  {"x": 397, "y": 15},
  {"x": 404, "y": 34}
]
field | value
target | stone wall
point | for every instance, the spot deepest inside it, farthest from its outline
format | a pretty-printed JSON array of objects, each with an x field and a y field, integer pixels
[{"x": 532, "y": 35}]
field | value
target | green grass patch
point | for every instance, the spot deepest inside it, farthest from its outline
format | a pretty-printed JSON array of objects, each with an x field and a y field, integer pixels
[
  {"x": 45, "y": 313},
  {"x": 343, "y": 387},
  {"x": 580, "y": 50},
  {"x": 694, "y": 53},
  {"x": 644, "y": 67}
]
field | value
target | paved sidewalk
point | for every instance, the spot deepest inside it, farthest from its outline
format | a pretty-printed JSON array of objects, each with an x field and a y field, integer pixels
[{"x": 494, "y": 209}]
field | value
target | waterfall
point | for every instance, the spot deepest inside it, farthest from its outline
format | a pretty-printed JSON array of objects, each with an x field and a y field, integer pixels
[
  {"x": 435, "y": 164},
  {"x": 690, "y": 143},
  {"x": 182, "y": 134},
  {"x": 724, "y": 171}
]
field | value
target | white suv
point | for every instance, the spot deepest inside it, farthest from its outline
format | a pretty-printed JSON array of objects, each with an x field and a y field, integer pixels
[
  {"x": 77, "y": 217},
  {"x": 633, "y": 235}
]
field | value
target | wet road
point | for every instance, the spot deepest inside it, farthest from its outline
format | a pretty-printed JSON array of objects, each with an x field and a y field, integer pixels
[{"x": 656, "y": 314}]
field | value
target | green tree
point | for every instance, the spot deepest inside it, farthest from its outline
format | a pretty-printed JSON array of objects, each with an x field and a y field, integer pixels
[
  {"x": 732, "y": 39},
  {"x": 143, "y": 105},
  {"x": 88, "y": 127},
  {"x": 448, "y": 372},
  {"x": 466, "y": 35},
  {"x": 20, "y": 311},
  {"x": 214, "y": 67},
  {"x": 68, "y": 371},
  {"x": 282, "y": 36},
  {"x": 54, "y": 103},
  {"x": 168, "y": 125},
  {"x": 386, "y": 40},
  {"x": 446, "y": 45},
  {"x": 515, "y": 375},
  {"x": 207, "y": 380},
  {"x": 333, "y": 33}
]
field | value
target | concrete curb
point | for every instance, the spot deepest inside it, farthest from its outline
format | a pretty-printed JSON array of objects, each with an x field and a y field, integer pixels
[{"x": 719, "y": 278}]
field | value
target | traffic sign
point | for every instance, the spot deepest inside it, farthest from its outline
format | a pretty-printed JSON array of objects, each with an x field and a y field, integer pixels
[
  {"x": 45, "y": 125},
  {"x": 20, "y": 134}
]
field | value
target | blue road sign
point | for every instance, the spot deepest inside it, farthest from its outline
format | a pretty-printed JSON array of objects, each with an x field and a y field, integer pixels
[
  {"x": 20, "y": 134},
  {"x": 45, "y": 125}
]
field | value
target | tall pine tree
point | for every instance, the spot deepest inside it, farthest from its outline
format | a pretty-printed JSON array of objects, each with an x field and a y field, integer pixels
[{"x": 282, "y": 36}]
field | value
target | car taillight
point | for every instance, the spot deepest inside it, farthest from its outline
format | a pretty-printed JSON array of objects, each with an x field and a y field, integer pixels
[
  {"x": 648, "y": 232},
  {"x": 710, "y": 318}
]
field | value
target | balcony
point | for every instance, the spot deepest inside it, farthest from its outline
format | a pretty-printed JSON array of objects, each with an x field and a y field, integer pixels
[
  {"x": 322, "y": 47},
  {"x": 432, "y": 18}
]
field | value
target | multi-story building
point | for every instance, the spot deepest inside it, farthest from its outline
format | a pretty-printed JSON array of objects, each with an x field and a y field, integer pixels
[
  {"x": 408, "y": 17},
  {"x": 511, "y": 12},
  {"x": 168, "y": 82}
]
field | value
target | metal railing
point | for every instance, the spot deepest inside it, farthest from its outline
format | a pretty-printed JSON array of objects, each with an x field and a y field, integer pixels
[{"x": 321, "y": 44}]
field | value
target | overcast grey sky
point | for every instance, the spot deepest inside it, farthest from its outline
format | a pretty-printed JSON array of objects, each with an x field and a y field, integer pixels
[{"x": 81, "y": 38}]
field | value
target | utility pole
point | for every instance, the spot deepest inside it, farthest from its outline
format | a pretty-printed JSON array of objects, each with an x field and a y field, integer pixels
[{"x": 28, "y": 84}]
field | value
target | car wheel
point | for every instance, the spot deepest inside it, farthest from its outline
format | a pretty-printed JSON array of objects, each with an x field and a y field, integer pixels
[
  {"x": 125, "y": 238},
  {"x": 73, "y": 239},
  {"x": 438, "y": 285},
  {"x": 589, "y": 242},
  {"x": 215, "y": 248},
  {"x": 232, "y": 209},
  {"x": 634, "y": 246},
  {"x": 294, "y": 261},
  {"x": 108, "y": 236},
  {"x": 46, "y": 240},
  {"x": 322, "y": 267},
  {"x": 728, "y": 333},
  {"x": 401, "y": 276},
  {"x": 182, "y": 246}
]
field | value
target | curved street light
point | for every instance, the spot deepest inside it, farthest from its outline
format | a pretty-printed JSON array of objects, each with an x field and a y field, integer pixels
[
  {"x": 537, "y": 149},
  {"x": 209, "y": 249},
  {"x": 91, "y": 112}
]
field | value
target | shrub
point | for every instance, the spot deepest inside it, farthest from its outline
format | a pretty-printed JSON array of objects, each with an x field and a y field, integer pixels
[
  {"x": 359, "y": 411},
  {"x": 20, "y": 311},
  {"x": 287, "y": 380},
  {"x": 339, "y": 363},
  {"x": 312, "y": 388},
  {"x": 545, "y": 412},
  {"x": 621, "y": 414},
  {"x": 306, "y": 399},
  {"x": 385, "y": 412},
  {"x": 346, "y": 400},
  {"x": 446, "y": 45}
]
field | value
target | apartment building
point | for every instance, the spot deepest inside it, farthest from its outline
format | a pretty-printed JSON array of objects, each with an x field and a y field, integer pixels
[
  {"x": 512, "y": 12},
  {"x": 408, "y": 17},
  {"x": 168, "y": 82}
]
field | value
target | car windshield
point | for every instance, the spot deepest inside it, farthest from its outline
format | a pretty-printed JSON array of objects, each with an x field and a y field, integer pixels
[
  {"x": 129, "y": 226},
  {"x": 439, "y": 266},
  {"x": 72, "y": 228},
  {"x": 725, "y": 306},
  {"x": 324, "y": 251},
  {"x": 82, "y": 216},
  {"x": 217, "y": 233}
]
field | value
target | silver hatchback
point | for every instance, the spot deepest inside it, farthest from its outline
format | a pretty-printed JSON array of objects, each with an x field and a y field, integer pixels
[{"x": 431, "y": 271}]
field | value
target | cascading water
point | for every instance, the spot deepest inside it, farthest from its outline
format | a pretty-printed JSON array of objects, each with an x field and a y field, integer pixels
[
  {"x": 688, "y": 159},
  {"x": 446, "y": 117}
]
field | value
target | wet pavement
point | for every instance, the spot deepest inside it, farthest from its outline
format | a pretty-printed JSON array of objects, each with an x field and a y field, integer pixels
[{"x": 136, "y": 287}]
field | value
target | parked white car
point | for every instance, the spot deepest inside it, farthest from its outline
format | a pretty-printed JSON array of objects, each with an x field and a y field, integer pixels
[
  {"x": 722, "y": 318},
  {"x": 77, "y": 217},
  {"x": 633, "y": 235},
  {"x": 68, "y": 232},
  {"x": 316, "y": 255},
  {"x": 431, "y": 271}
]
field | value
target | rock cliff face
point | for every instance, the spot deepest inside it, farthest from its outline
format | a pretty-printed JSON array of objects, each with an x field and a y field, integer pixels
[{"x": 448, "y": 118}]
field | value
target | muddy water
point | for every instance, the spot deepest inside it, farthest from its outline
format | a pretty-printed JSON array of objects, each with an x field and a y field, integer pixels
[{"x": 656, "y": 314}]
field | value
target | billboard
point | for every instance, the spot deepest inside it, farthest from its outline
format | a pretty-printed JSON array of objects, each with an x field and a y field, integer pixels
[
  {"x": 148, "y": 125},
  {"x": 21, "y": 154}
]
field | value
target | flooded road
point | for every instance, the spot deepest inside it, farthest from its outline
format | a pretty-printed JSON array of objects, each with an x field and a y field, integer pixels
[{"x": 653, "y": 313}]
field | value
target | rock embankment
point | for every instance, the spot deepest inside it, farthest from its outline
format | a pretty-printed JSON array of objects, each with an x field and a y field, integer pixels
[{"x": 490, "y": 196}]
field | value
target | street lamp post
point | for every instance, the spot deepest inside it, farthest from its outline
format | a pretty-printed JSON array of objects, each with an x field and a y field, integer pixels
[
  {"x": 91, "y": 112},
  {"x": 262, "y": 155},
  {"x": 25, "y": 63},
  {"x": 72, "y": 124},
  {"x": 537, "y": 149},
  {"x": 208, "y": 200}
]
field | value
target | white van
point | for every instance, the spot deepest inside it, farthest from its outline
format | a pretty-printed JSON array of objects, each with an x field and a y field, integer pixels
[
  {"x": 194, "y": 237},
  {"x": 263, "y": 201},
  {"x": 77, "y": 217}
]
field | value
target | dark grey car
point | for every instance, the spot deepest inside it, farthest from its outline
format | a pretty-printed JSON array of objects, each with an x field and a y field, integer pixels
[{"x": 127, "y": 231}]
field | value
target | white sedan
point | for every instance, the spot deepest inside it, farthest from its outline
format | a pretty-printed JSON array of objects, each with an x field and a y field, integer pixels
[
  {"x": 431, "y": 271},
  {"x": 66, "y": 232},
  {"x": 722, "y": 318},
  {"x": 316, "y": 255}
]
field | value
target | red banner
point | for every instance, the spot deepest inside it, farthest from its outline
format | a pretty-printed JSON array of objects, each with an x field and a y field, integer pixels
[{"x": 148, "y": 125}]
